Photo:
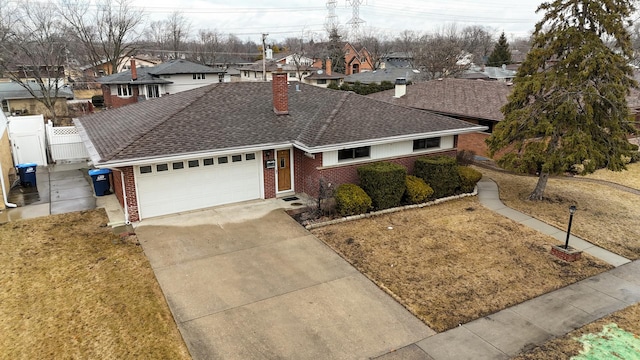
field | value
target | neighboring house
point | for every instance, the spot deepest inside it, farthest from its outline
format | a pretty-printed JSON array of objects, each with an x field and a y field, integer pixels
[
  {"x": 254, "y": 71},
  {"x": 324, "y": 78},
  {"x": 289, "y": 58},
  {"x": 356, "y": 61},
  {"x": 143, "y": 83},
  {"x": 6, "y": 162},
  {"x": 397, "y": 59},
  {"x": 16, "y": 100},
  {"x": 50, "y": 75},
  {"x": 234, "y": 142},
  {"x": 104, "y": 68},
  {"x": 489, "y": 73},
  {"x": 389, "y": 74},
  {"x": 477, "y": 102}
]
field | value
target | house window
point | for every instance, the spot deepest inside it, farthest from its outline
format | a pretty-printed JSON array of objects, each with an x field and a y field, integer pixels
[
  {"x": 354, "y": 153},
  {"x": 322, "y": 81},
  {"x": 153, "y": 91},
  {"x": 292, "y": 75},
  {"x": 5, "y": 106},
  {"x": 177, "y": 165},
  {"x": 145, "y": 169},
  {"x": 236, "y": 158},
  {"x": 125, "y": 90},
  {"x": 207, "y": 162},
  {"x": 223, "y": 160},
  {"x": 251, "y": 156},
  {"x": 194, "y": 163},
  {"x": 162, "y": 167},
  {"x": 423, "y": 144},
  {"x": 220, "y": 77},
  {"x": 198, "y": 76}
]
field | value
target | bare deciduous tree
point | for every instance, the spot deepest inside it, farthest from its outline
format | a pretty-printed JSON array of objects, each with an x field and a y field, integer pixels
[
  {"x": 34, "y": 52},
  {"x": 106, "y": 30},
  {"x": 377, "y": 44},
  {"x": 178, "y": 28}
]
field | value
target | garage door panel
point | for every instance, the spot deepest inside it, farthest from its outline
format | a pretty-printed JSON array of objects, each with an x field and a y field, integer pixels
[{"x": 196, "y": 188}]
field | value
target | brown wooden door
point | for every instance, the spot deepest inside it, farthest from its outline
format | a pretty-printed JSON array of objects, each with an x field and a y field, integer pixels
[{"x": 284, "y": 170}]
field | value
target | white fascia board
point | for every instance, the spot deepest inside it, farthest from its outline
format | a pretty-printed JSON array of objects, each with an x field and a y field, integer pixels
[
  {"x": 334, "y": 147},
  {"x": 188, "y": 156}
]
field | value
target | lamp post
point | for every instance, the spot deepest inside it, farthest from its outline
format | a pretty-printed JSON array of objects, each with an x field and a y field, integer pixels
[{"x": 572, "y": 210}]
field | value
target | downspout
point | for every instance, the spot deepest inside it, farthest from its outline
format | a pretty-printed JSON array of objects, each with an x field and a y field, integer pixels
[{"x": 4, "y": 193}]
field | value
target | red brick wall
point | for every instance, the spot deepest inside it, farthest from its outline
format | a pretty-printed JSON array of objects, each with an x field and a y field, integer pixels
[
  {"x": 474, "y": 142},
  {"x": 269, "y": 175},
  {"x": 113, "y": 101},
  {"x": 130, "y": 189},
  {"x": 309, "y": 172},
  {"x": 280, "y": 93}
]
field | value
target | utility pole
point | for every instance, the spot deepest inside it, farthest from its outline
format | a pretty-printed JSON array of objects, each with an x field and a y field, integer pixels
[{"x": 264, "y": 56}]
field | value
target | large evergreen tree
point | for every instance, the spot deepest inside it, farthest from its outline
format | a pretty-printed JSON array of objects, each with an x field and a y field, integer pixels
[
  {"x": 501, "y": 55},
  {"x": 568, "y": 104}
]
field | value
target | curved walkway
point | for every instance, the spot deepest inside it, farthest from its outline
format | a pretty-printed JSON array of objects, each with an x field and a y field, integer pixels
[{"x": 489, "y": 197}]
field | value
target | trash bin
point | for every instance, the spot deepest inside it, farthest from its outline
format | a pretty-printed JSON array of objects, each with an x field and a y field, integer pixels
[
  {"x": 27, "y": 173},
  {"x": 101, "y": 183}
]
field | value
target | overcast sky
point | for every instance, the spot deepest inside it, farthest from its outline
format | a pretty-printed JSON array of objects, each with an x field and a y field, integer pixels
[{"x": 292, "y": 18}]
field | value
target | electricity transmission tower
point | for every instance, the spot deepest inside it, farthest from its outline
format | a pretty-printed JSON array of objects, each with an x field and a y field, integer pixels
[
  {"x": 332, "y": 18},
  {"x": 355, "y": 17}
]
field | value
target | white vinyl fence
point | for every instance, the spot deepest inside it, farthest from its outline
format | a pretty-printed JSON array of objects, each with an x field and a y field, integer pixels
[{"x": 65, "y": 144}]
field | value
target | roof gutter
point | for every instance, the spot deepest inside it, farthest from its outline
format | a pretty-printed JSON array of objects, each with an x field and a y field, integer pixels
[{"x": 334, "y": 147}]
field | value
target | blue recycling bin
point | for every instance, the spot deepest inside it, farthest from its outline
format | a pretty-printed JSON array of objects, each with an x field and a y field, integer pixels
[
  {"x": 101, "y": 183},
  {"x": 27, "y": 173}
]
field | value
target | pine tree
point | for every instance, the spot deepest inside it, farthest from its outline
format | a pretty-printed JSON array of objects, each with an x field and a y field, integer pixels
[
  {"x": 568, "y": 106},
  {"x": 336, "y": 51},
  {"x": 501, "y": 55}
]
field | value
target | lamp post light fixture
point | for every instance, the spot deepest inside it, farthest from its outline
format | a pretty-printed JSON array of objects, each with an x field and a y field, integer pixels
[{"x": 572, "y": 210}]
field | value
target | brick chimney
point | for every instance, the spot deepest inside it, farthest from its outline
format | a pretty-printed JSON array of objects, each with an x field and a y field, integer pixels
[
  {"x": 327, "y": 69},
  {"x": 134, "y": 71},
  {"x": 280, "y": 92}
]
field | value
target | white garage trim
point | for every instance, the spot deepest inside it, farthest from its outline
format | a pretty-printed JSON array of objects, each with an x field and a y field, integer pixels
[{"x": 171, "y": 187}]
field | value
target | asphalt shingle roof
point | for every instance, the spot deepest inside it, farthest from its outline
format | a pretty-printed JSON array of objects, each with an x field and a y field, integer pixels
[
  {"x": 13, "y": 90},
  {"x": 151, "y": 75},
  {"x": 239, "y": 115},
  {"x": 477, "y": 99},
  {"x": 380, "y": 75}
]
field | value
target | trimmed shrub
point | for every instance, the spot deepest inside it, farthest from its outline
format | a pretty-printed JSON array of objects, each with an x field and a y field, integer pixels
[
  {"x": 417, "y": 190},
  {"x": 384, "y": 182},
  {"x": 441, "y": 173},
  {"x": 351, "y": 200},
  {"x": 469, "y": 177}
]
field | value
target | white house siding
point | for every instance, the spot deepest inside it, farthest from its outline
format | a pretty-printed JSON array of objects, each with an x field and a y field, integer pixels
[
  {"x": 184, "y": 82},
  {"x": 387, "y": 151}
]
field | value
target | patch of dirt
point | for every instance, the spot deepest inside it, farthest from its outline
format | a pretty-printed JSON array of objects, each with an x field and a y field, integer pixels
[
  {"x": 456, "y": 261},
  {"x": 71, "y": 288}
]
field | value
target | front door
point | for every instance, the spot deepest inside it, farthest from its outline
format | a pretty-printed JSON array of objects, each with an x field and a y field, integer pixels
[{"x": 284, "y": 170}]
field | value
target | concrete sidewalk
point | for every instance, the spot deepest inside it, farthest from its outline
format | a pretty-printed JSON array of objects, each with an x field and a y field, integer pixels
[
  {"x": 490, "y": 198},
  {"x": 59, "y": 189}
]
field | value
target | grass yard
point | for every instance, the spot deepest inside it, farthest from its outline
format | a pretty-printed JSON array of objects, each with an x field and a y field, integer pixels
[
  {"x": 606, "y": 217},
  {"x": 630, "y": 177},
  {"x": 567, "y": 346},
  {"x": 70, "y": 288},
  {"x": 454, "y": 262}
]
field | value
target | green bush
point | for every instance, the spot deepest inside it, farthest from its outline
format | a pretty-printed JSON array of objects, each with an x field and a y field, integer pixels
[
  {"x": 351, "y": 200},
  {"x": 468, "y": 178},
  {"x": 417, "y": 190},
  {"x": 384, "y": 182},
  {"x": 441, "y": 173}
]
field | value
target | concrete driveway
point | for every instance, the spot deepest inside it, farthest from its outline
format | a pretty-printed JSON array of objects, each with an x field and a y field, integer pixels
[{"x": 248, "y": 282}]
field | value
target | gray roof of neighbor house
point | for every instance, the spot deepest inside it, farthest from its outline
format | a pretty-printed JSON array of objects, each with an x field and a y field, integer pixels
[
  {"x": 321, "y": 74},
  {"x": 240, "y": 115},
  {"x": 380, "y": 75},
  {"x": 272, "y": 65},
  {"x": 151, "y": 75},
  {"x": 13, "y": 90},
  {"x": 476, "y": 99}
]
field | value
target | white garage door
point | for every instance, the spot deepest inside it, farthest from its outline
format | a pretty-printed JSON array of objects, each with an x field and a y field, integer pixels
[{"x": 168, "y": 188}]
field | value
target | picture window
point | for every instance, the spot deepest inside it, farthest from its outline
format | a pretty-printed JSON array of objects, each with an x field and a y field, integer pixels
[
  {"x": 423, "y": 144},
  {"x": 354, "y": 153}
]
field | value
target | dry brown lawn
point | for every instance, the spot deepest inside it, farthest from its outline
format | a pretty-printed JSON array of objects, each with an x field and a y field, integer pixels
[
  {"x": 454, "y": 262},
  {"x": 629, "y": 177},
  {"x": 70, "y": 288},
  {"x": 565, "y": 347},
  {"x": 606, "y": 216}
]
